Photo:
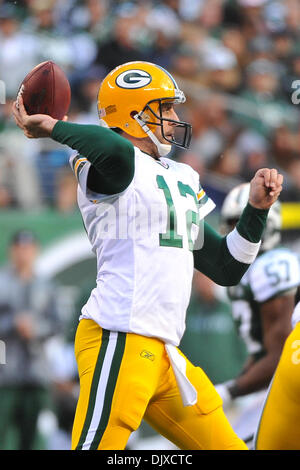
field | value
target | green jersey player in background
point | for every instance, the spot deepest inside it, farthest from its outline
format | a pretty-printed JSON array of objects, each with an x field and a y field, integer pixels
[{"x": 262, "y": 306}]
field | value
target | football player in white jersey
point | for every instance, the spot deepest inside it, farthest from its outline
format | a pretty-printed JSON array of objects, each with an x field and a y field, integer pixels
[
  {"x": 262, "y": 306},
  {"x": 143, "y": 214}
]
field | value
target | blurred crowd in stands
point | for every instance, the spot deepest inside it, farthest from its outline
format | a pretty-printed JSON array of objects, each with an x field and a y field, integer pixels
[{"x": 238, "y": 62}]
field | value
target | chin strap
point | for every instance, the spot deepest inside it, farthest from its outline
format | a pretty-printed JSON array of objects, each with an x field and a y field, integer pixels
[{"x": 163, "y": 149}]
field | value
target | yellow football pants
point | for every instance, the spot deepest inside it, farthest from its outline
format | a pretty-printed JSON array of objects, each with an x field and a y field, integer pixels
[
  {"x": 279, "y": 427},
  {"x": 125, "y": 378}
]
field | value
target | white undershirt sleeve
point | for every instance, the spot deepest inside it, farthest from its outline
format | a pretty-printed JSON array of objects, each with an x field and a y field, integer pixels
[{"x": 240, "y": 248}]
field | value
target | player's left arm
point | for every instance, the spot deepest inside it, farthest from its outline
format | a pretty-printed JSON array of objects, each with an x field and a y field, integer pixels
[{"x": 226, "y": 259}]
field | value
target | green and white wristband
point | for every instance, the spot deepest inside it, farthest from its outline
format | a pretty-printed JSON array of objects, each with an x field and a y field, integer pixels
[{"x": 241, "y": 249}]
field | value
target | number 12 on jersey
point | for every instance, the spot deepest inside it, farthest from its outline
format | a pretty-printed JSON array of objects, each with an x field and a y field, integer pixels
[{"x": 171, "y": 237}]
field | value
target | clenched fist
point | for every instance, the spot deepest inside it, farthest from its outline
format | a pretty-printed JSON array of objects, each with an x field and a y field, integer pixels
[{"x": 265, "y": 187}]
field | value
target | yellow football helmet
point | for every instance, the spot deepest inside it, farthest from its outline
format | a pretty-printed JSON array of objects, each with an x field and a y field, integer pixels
[{"x": 131, "y": 98}]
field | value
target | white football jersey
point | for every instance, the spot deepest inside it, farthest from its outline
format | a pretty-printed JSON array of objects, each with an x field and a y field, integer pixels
[
  {"x": 144, "y": 239},
  {"x": 273, "y": 273}
]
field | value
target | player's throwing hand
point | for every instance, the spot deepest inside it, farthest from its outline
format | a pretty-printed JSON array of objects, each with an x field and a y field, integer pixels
[{"x": 34, "y": 126}]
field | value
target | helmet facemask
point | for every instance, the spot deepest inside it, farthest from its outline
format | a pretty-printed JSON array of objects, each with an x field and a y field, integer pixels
[{"x": 182, "y": 137}]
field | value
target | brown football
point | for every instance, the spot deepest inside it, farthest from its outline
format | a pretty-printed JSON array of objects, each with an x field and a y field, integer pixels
[{"x": 46, "y": 90}]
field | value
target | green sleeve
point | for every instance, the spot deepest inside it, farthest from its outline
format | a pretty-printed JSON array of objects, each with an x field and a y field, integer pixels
[
  {"x": 111, "y": 155},
  {"x": 252, "y": 223},
  {"x": 215, "y": 260}
]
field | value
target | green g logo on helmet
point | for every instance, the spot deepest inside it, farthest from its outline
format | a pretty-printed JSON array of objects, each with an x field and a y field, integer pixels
[{"x": 133, "y": 79}]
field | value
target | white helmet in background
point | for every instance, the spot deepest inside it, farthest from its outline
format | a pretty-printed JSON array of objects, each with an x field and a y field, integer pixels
[{"x": 232, "y": 208}]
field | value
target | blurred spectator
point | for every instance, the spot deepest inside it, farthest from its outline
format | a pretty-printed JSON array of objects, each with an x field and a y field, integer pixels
[
  {"x": 292, "y": 73},
  {"x": 185, "y": 64},
  {"x": 43, "y": 16},
  {"x": 264, "y": 105},
  {"x": 66, "y": 191},
  {"x": 19, "y": 51},
  {"x": 261, "y": 47},
  {"x": 73, "y": 51},
  {"x": 233, "y": 39},
  {"x": 254, "y": 153},
  {"x": 18, "y": 173},
  {"x": 285, "y": 146},
  {"x": 292, "y": 15},
  {"x": 213, "y": 128},
  {"x": 164, "y": 35},
  {"x": 211, "y": 16},
  {"x": 283, "y": 45},
  {"x": 90, "y": 16},
  {"x": 28, "y": 318},
  {"x": 221, "y": 68},
  {"x": 190, "y": 11},
  {"x": 253, "y": 17},
  {"x": 228, "y": 164},
  {"x": 124, "y": 45},
  {"x": 50, "y": 160},
  {"x": 85, "y": 86},
  {"x": 263, "y": 77}
]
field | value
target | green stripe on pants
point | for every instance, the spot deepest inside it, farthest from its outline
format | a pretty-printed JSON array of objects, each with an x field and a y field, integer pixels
[
  {"x": 102, "y": 389},
  {"x": 111, "y": 383},
  {"x": 94, "y": 387}
]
